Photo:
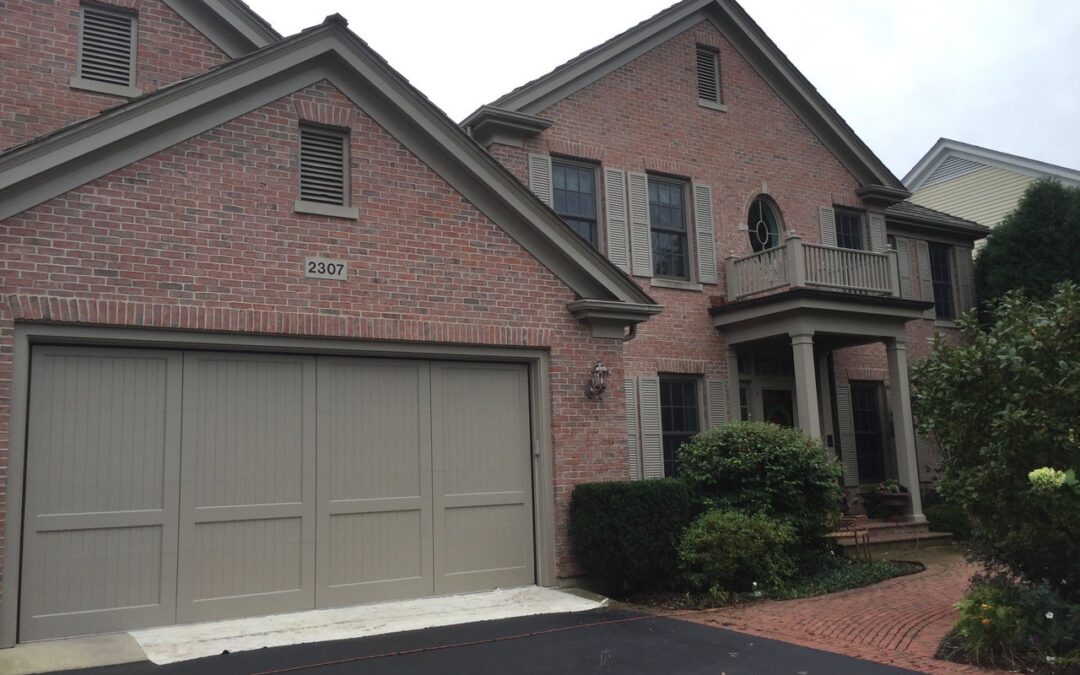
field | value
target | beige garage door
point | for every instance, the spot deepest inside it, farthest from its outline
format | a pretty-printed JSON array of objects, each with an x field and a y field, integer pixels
[{"x": 171, "y": 487}]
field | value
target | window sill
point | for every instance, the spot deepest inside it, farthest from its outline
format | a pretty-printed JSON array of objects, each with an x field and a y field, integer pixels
[
  {"x": 349, "y": 212},
  {"x": 713, "y": 105},
  {"x": 105, "y": 88},
  {"x": 679, "y": 284}
]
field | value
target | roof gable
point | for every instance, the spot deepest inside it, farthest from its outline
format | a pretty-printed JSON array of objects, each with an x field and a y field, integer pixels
[
  {"x": 752, "y": 43},
  {"x": 36, "y": 172},
  {"x": 949, "y": 159},
  {"x": 230, "y": 24}
]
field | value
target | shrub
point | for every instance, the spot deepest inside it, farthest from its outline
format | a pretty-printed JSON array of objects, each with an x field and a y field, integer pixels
[
  {"x": 1002, "y": 405},
  {"x": 726, "y": 550},
  {"x": 765, "y": 468},
  {"x": 626, "y": 534},
  {"x": 946, "y": 517}
]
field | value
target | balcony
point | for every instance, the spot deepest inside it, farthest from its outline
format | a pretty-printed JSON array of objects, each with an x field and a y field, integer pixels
[{"x": 797, "y": 264}]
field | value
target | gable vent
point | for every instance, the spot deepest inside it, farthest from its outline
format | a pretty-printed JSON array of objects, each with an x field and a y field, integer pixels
[
  {"x": 322, "y": 165},
  {"x": 708, "y": 74},
  {"x": 952, "y": 167},
  {"x": 107, "y": 46}
]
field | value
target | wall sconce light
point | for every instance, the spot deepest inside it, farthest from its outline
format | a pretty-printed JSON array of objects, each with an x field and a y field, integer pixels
[{"x": 598, "y": 379}]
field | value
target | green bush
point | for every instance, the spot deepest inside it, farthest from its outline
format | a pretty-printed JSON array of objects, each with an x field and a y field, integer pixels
[
  {"x": 1004, "y": 404},
  {"x": 626, "y": 534},
  {"x": 728, "y": 551},
  {"x": 945, "y": 517},
  {"x": 765, "y": 468}
]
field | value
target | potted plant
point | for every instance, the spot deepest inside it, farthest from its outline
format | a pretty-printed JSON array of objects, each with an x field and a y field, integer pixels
[{"x": 893, "y": 497}]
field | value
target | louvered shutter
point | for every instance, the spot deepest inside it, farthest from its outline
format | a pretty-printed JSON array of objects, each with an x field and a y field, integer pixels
[
  {"x": 652, "y": 447},
  {"x": 323, "y": 166},
  {"x": 903, "y": 261},
  {"x": 877, "y": 233},
  {"x": 705, "y": 231},
  {"x": 964, "y": 281},
  {"x": 716, "y": 393},
  {"x": 540, "y": 177},
  {"x": 633, "y": 433},
  {"x": 107, "y": 46},
  {"x": 922, "y": 455},
  {"x": 708, "y": 74},
  {"x": 827, "y": 220},
  {"x": 640, "y": 235},
  {"x": 618, "y": 237},
  {"x": 926, "y": 280},
  {"x": 849, "y": 457}
]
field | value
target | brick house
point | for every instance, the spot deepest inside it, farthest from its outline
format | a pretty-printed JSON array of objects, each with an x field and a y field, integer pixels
[{"x": 277, "y": 334}]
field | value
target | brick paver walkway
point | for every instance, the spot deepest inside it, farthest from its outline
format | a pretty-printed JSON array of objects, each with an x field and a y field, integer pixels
[{"x": 899, "y": 622}]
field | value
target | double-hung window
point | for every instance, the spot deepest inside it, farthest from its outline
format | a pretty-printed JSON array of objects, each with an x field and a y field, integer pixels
[
  {"x": 574, "y": 198},
  {"x": 941, "y": 274},
  {"x": 849, "y": 229},
  {"x": 668, "y": 221},
  {"x": 680, "y": 419}
]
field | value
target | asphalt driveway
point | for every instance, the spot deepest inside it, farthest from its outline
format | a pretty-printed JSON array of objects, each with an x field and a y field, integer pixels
[{"x": 600, "y": 641}]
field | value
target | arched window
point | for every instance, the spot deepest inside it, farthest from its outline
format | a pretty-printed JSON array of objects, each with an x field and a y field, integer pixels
[{"x": 764, "y": 225}]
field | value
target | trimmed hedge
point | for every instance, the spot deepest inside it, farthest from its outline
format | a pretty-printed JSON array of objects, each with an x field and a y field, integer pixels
[
  {"x": 626, "y": 534},
  {"x": 944, "y": 517},
  {"x": 724, "y": 551}
]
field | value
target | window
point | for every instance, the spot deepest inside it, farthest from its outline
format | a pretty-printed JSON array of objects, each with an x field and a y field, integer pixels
[
  {"x": 323, "y": 165},
  {"x": 574, "y": 198},
  {"x": 679, "y": 416},
  {"x": 708, "y": 74},
  {"x": 107, "y": 46},
  {"x": 941, "y": 274},
  {"x": 849, "y": 229},
  {"x": 667, "y": 218},
  {"x": 763, "y": 225}
]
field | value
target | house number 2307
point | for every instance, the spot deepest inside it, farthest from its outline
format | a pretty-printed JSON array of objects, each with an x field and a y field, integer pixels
[{"x": 325, "y": 268}]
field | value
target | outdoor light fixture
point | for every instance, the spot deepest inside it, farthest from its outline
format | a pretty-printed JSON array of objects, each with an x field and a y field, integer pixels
[{"x": 598, "y": 378}]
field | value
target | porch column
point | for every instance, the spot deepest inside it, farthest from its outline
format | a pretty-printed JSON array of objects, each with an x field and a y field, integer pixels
[
  {"x": 907, "y": 462},
  {"x": 734, "y": 409},
  {"x": 806, "y": 386}
]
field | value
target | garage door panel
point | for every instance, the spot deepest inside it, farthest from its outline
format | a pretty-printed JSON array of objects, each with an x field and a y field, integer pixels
[
  {"x": 247, "y": 517},
  {"x": 374, "y": 455},
  {"x": 481, "y": 476},
  {"x": 101, "y": 485}
]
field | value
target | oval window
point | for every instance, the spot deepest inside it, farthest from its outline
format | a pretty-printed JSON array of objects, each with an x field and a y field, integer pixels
[{"x": 763, "y": 224}]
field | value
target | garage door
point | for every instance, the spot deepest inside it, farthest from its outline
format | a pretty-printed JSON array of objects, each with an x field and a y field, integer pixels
[{"x": 171, "y": 487}]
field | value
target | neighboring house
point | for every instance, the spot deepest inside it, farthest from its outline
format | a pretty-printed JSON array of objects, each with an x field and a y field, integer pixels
[
  {"x": 276, "y": 334},
  {"x": 977, "y": 184}
]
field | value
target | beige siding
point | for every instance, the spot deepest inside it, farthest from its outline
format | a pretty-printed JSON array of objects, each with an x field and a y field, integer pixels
[{"x": 985, "y": 196}]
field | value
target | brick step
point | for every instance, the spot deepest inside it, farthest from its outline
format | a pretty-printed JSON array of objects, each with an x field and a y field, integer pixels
[
  {"x": 898, "y": 542},
  {"x": 881, "y": 528}
]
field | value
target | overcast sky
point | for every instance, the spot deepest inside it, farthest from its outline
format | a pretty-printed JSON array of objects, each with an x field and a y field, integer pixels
[{"x": 1004, "y": 74}]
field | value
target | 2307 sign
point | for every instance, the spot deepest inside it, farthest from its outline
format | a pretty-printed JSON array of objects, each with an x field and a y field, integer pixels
[{"x": 325, "y": 268}]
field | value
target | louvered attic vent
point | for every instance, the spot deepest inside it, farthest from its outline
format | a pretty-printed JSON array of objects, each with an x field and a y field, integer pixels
[
  {"x": 107, "y": 47},
  {"x": 322, "y": 165},
  {"x": 708, "y": 74}
]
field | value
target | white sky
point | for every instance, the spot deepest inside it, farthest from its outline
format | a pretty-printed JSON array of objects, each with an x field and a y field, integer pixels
[{"x": 1004, "y": 74}]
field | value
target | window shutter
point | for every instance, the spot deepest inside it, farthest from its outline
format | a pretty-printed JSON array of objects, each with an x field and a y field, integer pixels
[
  {"x": 540, "y": 177},
  {"x": 652, "y": 447},
  {"x": 922, "y": 455},
  {"x": 877, "y": 233},
  {"x": 827, "y": 218},
  {"x": 708, "y": 74},
  {"x": 716, "y": 392},
  {"x": 633, "y": 434},
  {"x": 640, "y": 235},
  {"x": 965, "y": 282},
  {"x": 849, "y": 458},
  {"x": 618, "y": 244},
  {"x": 705, "y": 231},
  {"x": 323, "y": 165},
  {"x": 903, "y": 261},
  {"x": 926, "y": 281},
  {"x": 107, "y": 46}
]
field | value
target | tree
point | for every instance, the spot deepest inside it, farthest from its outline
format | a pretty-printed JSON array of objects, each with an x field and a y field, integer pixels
[
  {"x": 1035, "y": 247},
  {"x": 1005, "y": 407}
]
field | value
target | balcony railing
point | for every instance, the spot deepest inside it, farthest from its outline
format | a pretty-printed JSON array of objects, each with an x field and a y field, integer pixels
[{"x": 797, "y": 264}]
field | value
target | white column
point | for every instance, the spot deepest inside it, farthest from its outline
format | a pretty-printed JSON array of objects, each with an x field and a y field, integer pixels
[
  {"x": 825, "y": 400},
  {"x": 806, "y": 397},
  {"x": 907, "y": 461},
  {"x": 734, "y": 412}
]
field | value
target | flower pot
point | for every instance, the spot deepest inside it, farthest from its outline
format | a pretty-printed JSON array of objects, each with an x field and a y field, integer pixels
[{"x": 894, "y": 502}]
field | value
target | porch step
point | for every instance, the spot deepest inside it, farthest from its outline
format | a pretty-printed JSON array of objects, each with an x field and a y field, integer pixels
[{"x": 897, "y": 542}]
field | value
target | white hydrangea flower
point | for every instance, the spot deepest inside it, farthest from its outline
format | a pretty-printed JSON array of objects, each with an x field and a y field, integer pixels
[{"x": 1050, "y": 615}]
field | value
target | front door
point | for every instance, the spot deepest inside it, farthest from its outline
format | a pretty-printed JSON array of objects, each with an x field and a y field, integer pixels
[
  {"x": 869, "y": 429},
  {"x": 778, "y": 407}
]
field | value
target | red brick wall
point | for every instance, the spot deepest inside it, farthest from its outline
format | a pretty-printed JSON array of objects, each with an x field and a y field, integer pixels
[
  {"x": 202, "y": 236},
  {"x": 39, "y": 39},
  {"x": 645, "y": 115}
]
